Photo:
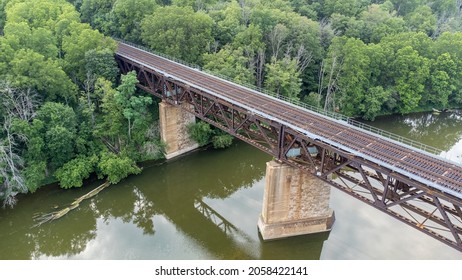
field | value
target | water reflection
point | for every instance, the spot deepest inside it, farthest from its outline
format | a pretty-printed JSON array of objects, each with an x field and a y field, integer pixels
[
  {"x": 442, "y": 131},
  {"x": 204, "y": 206}
]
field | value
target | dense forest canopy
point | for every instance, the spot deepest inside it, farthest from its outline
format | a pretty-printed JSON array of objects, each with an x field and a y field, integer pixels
[
  {"x": 360, "y": 57},
  {"x": 65, "y": 112}
]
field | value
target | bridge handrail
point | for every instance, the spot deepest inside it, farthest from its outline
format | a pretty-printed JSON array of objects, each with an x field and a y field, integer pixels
[{"x": 297, "y": 102}]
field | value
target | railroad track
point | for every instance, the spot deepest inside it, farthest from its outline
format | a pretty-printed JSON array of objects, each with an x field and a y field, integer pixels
[{"x": 423, "y": 167}]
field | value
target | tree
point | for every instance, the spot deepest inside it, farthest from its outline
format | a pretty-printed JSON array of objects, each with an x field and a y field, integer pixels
[
  {"x": 56, "y": 16},
  {"x": 283, "y": 77},
  {"x": 229, "y": 22},
  {"x": 406, "y": 7},
  {"x": 75, "y": 46},
  {"x": 12, "y": 181},
  {"x": 2, "y": 15},
  {"x": 116, "y": 167},
  {"x": 14, "y": 105},
  {"x": 249, "y": 43},
  {"x": 41, "y": 40},
  {"x": 178, "y": 31},
  {"x": 111, "y": 125},
  {"x": 201, "y": 132},
  {"x": 232, "y": 63},
  {"x": 98, "y": 14},
  {"x": 128, "y": 14},
  {"x": 442, "y": 81},
  {"x": 198, "y": 5},
  {"x": 421, "y": 19},
  {"x": 354, "y": 80},
  {"x": 451, "y": 43},
  {"x": 345, "y": 7},
  {"x": 75, "y": 171},
  {"x": 410, "y": 71},
  {"x": 374, "y": 24},
  {"x": 29, "y": 69},
  {"x": 59, "y": 133},
  {"x": 134, "y": 108}
]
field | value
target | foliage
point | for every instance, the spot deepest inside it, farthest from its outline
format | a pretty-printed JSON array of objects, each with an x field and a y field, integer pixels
[
  {"x": 201, "y": 132},
  {"x": 116, "y": 167},
  {"x": 134, "y": 108},
  {"x": 283, "y": 77},
  {"x": 127, "y": 16},
  {"x": 363, "y": 58},
  {"x": 222, "y": 140},
  {"x": 75, "y": 171},
  {"x": 167, "y": 31}
]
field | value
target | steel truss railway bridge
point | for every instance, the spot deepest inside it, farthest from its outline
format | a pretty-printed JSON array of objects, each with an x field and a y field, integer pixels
[{"x": 411, "y": 184}]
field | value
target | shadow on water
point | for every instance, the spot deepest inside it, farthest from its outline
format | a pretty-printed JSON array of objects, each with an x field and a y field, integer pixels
[{"x": 208, "y": 201}]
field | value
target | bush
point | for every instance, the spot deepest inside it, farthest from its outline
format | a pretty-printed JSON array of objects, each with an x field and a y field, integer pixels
[
  {"x": 222, "y": 141},
  {"x": 201, "y": 132}
]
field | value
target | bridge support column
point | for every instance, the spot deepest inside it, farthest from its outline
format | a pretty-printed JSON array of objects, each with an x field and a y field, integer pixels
[
  {"x": 174, "y": 131},
  {"x": 294, "y": 203}
]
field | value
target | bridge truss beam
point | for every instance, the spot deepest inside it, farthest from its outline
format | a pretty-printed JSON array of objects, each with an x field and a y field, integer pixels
[{"x": 426, "y": 209}]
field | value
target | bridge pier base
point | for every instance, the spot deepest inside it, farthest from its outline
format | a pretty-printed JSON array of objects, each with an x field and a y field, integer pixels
[
  {"x": 294, "y": 203},
  {"x": 174, "y": 131}
]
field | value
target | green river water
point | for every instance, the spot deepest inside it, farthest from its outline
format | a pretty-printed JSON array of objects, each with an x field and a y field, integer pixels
[{"x": 205, "y": 205}]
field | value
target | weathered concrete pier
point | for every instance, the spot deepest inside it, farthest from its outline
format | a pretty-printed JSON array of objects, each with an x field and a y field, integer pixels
[
  {"x": 294, "y": 203},
  {"x": 174, "y": 123}
]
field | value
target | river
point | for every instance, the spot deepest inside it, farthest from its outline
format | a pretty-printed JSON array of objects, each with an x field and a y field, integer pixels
[{"x": 205, "y": 205}]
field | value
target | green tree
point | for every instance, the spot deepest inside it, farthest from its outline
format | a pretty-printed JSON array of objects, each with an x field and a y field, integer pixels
[
  {"x": 134, "y": 108},
  {"x": 232, "y": 63},
  {"x": 374, "y": 24},
  {"x": 406, "y": 7},
  {"x": 98, "y": 14},
  {"x": 410, "y": 71},
  {"x": 116, "y": 167},
  {"x": 110, "y": 128},
  {"x": 41, "y": 40},
  {"x": 451, "y": 43},
  {"x": 60, "y": 146},
  {"x": 81, "y": 40},
  {"x": 56, "y": 16},
  {"x": 75, "y": 171},
  {"x": 354, "y": 80},
  {"x": 178, "y": 31},
  {"x": 201, "y": 132},
  {"x": 101, "y": 64},
  {"x": 35, "y": 168},
  {"x": 421, "y": 19},
  {"x": 29, "y": 69},
  {"x": 441, "y": 82},
  {"x": 345, "y": 7},
  {"x": 229, "y": 22},
  {"x": 222, "y": 140},
  {"x": 59, "y": 132},
  {"x": 128, "y": 14},
  {"x": 283, "y": 78},
  {"x": 198, "y": 5}
]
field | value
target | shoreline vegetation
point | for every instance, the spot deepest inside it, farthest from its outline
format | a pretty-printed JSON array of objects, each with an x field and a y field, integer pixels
[{"x": 67, "y": 114}]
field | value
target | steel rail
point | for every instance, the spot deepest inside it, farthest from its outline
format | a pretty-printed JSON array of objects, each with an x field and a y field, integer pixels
[{"x": 184, "y": 74}]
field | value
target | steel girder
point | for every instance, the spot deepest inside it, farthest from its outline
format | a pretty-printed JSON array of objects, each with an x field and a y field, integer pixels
[{"x": 428, "y": 210}]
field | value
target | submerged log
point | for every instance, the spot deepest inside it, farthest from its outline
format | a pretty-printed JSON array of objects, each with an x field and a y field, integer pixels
[{"x": 44, "y": 218}]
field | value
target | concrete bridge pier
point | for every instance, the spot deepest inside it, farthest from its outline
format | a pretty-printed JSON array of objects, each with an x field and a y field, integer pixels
[
  {"x": 173, "y": 129},
  {"x": 294, "y": 203}
]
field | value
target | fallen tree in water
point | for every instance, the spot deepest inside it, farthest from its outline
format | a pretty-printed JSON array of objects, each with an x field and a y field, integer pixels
[{"x": 44, "y": 218}]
